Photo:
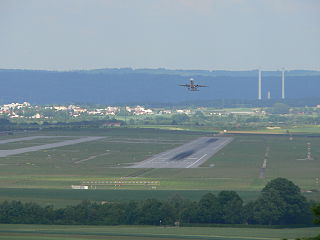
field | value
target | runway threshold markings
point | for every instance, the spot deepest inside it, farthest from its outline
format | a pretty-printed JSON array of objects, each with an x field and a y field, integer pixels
[
  {"x": 197, "y": 161},
  {"x": 189, "y": 155}
]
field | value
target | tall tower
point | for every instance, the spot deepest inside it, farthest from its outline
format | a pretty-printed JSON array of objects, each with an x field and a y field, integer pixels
[
  {"x": 259, "y": 85},
  {"x": 283, "y": 95}
]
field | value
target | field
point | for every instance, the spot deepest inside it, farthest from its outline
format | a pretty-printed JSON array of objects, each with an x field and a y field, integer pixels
[
  {"x": 235, "y": 167},
  {"x": 43, "y": 232},
  {"x": 301, "y": 129}
]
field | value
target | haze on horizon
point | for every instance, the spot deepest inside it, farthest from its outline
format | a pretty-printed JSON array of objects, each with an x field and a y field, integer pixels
[{"x": 175, "y": 34}]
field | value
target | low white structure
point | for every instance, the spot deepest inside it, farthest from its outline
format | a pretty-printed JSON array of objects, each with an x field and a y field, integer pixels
[{"x": 79, "y": 187}]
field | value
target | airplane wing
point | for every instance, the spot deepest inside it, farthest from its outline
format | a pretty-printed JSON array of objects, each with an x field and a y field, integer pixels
[
  {"x": 200, "y": 85},
  {"x": 184, "y": 85}
]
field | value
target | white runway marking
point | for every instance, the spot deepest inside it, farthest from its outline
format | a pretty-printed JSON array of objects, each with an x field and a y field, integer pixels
[
  {"x": 92, "y": 157},
  {"x": 189, "y": 155},
  {"x": 197, "y": 161}
]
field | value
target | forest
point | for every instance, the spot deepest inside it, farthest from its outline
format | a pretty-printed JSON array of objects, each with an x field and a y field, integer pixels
[{"x": 127, "y": 86}]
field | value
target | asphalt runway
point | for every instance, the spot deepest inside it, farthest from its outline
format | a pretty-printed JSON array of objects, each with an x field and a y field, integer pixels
[
  {"x": 27, "y": 139},
  {"x": 189, "y": 155},
  {"x": 6, "y": 153}
]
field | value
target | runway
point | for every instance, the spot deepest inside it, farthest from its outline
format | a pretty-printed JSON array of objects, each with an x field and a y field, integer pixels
[
  {"x": 6, "y": 153},
  {"x": 189, "y": 155},
  {"x": 27, "y": 139}
]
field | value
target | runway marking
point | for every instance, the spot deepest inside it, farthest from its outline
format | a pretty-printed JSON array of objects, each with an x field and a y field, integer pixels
[
  {"x": 188, "y": 155},
  {"x": 90, "y": 158},
  {"x": 197, "y": 161}
]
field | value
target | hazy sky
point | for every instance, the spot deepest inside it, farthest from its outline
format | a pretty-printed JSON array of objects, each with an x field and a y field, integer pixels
[{"x": 176, "y": 34}]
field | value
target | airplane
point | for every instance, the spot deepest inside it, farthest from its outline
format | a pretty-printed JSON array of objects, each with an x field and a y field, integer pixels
[{"x": 192, "y": 86}]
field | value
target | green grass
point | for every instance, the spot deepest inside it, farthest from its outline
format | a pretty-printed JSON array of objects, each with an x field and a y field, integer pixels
[
  {"x": 236, "y": 167},
  {"x": 148, "y": 232},
  {"x": 244, "y": 157},
  {"x": 301, "y": 129},
  {"x": 28, "y": 236}
]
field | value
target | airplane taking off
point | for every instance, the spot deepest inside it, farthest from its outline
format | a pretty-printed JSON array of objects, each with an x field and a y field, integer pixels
[{"x": 192, "y": 86}]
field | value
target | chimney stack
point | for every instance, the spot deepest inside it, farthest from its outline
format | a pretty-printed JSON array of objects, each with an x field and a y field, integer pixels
[
  {"x": 283, "y": 95},
  {"x": 259, "y": 83}
]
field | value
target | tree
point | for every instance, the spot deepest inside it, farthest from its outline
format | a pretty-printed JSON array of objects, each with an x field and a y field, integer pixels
[
  {"x": 267, "y": 210},
  {"x": 184, "y": 209},
  {"x": 297, "y": 208},
  {"x": 131, "y": 212},
  {"x": 155, "y": 212},
  {"x": 4, "y": 121},
  {"x": 199, "y": 114},
  {"x": 190, "y": 214},
  {"x": 112, "y": 214},
  {"x": 210, "y": 209},
  {"x": 83, "y": 213},
  {"x": 316, "y": 212},
  {"x": 180, "y": 118},
  {"x": 280, "y": 108},
  {"x": 280, "y": 203},
  {"x": 232, "y": 207}
]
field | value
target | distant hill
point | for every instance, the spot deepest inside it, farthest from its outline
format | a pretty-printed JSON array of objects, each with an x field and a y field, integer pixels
[{"x": 126, "y": 85}]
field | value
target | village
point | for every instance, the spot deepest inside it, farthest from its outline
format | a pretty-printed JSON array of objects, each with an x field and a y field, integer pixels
[{"x": 26, "y": 110}]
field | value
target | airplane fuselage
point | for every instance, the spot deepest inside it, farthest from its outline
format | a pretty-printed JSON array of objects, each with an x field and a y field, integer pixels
[{"x": 192, "y": 86}]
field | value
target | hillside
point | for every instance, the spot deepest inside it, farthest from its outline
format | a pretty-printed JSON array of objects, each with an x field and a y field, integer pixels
[{"x": 116, "y": 86}]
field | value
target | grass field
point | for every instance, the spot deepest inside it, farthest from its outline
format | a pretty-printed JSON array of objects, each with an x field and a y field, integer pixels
[
  {"x": 24, "y": 232},
  {"x": 301, "y": 129},
  {"x": 236, "y": 167}
]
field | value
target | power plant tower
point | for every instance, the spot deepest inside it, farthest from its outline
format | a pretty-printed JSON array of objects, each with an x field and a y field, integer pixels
[
  {"x": 283, "y": 95},
  {"x": 259, "y": 85}
]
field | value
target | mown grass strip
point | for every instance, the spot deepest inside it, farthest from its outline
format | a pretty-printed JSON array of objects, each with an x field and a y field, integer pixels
[{"x": 136, "y": 235}]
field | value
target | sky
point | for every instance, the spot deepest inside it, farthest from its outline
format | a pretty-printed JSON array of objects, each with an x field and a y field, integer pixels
[{"x": 174, "y": 34}]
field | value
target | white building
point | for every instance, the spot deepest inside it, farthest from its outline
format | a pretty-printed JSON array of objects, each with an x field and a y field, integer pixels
[{"x": 79, "y": 187}]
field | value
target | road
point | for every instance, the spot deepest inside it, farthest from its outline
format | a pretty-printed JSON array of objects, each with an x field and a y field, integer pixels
[{"x": 189, "y": 155}]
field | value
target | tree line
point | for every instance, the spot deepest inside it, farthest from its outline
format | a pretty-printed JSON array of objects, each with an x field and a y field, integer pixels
[{"x": 280, "y": 203}]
